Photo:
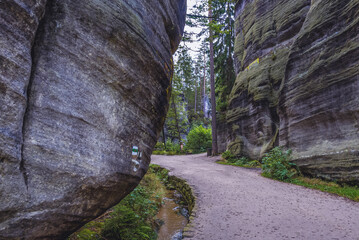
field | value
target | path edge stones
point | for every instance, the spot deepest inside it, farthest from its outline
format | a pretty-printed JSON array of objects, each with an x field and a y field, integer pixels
[{"x": 187, "y": 191}]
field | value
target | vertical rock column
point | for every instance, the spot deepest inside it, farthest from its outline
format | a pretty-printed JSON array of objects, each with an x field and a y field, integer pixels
[
  {"x": 319, "y": 108},
  {"x": 297, "y": 84},
  {"x": 265, "y": 31}
]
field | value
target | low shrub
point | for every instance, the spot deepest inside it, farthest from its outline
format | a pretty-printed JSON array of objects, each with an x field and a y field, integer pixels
[
  {"x": 254, "y": 164},
  {"x": 240, "y": 161},
  {"x": 170, "y": 148},
  {"x": 228, "y": 155},
  {"x": 198, "y": 140},
  {"x": 160, "y": 146},
  {"x": 127, "y": 224},
  {"x": 277, "y": 165},
  {"x": 231, "y": 159},
  {"x": 169, "y": 153},
  {"x": 132, "y": 219}
]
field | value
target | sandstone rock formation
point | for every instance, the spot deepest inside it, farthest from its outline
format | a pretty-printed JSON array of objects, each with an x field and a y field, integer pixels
[
  {"x": 297, "y": 85},
  {"x": 81, "y": 83}
]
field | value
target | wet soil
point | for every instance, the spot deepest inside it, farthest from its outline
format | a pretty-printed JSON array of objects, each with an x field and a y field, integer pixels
[{"x": 173, "y": 220}]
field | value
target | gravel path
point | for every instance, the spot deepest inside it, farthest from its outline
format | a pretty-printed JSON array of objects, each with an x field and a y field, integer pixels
[{"x": 237, "y": 203}]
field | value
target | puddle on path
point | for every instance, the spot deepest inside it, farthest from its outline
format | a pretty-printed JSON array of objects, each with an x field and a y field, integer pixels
[{"x": 174, "y": 221}]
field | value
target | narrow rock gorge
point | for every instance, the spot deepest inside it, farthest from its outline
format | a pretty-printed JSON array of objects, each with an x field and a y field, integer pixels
[
  {"x": 297, "y": 64},
  {"x": 81, "y": 83}
]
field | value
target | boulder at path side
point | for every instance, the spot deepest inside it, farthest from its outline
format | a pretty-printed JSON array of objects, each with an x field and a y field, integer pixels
[{"x": 81, "y": 83}]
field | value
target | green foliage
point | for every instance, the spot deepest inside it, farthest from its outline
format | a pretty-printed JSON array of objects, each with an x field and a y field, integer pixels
[
  {"x": 160, "y": 146},
  {"x": 254, "y": 164},
  {"x": 350, "y": 192},
  {"x": 177, "y": 116},
  {"x": 276, "y": 164},
  {"x": 91, "y": 231},
  {"x": 228, "y": 155},
  {"x": 223, "y": 27},
  {"x": 231, "y": 159},
  {"x": 240, "y": 161},
  {"x": 126, "y": 224},
  {"x": 88, "y": 234},
  {"x": 199, "y": 139},
  {"x": 132, "y": 218},
  {"x": 170, "y": 148},
  {"x": 222, "y": 105},
  {"x": 160, "y": 172},
  {"x": 168, "y": 153}
]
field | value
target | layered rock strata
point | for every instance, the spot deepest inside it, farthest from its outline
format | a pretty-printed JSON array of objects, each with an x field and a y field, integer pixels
[
  {"x": 81, "y": 83},
  {"x": 297, "y": 84}
]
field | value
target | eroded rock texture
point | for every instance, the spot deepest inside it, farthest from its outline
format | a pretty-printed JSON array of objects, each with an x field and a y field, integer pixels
[
  {"x": 80, "y": 84},
  {"x": 297, "y": 84}
]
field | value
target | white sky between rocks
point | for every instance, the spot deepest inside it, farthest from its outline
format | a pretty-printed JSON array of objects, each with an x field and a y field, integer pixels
[{"x": 195, "y": 45}]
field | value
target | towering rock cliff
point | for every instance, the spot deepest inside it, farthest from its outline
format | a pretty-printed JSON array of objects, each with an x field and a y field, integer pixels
[
  {"x": 297, "y": 85},
  {"x": 81, "y": 83}
]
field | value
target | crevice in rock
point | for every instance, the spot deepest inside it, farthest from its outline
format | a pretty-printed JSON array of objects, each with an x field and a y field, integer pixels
[{"x": 37, "y": 38}]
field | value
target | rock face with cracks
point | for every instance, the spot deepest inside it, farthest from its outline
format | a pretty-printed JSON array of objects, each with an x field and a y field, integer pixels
[
  {"x": 81, "y": 83},
  {"x": 297, "y": 85}
]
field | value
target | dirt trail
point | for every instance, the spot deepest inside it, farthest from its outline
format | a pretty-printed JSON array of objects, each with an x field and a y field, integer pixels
[{"x": 237, "y": 203}]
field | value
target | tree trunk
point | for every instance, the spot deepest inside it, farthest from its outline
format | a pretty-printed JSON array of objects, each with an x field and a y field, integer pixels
[
  {"x": 195, "y": 99},
  {"x": 213, "y": 93},
  {"x": 204, "y": 86},
  {"x": 176, "y": 118},
  {"x": 164, "y": 136},
  {"x": 230, "y": 27}
]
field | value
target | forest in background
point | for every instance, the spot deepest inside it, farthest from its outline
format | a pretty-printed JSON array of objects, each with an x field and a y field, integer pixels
[{"x": 190, "y": 106}]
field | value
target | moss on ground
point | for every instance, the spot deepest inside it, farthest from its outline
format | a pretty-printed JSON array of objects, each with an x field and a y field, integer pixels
[
  {"x": 176, "y": 183},
  {"x": 132, "y": 218}
]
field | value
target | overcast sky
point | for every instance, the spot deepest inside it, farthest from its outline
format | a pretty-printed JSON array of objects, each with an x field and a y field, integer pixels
[{"x": 196, "y": 44}]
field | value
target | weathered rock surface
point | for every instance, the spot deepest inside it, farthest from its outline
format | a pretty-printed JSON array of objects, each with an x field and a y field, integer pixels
[
  {"x": 297, "y": 85},
  {"x": 80, "y": 84}
]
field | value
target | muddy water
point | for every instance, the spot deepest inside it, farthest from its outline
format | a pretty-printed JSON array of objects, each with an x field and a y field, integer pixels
[{"x": 174, "y": 222}]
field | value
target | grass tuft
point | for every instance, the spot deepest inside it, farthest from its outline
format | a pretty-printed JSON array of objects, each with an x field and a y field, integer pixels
[
  {"x": 133, "y": 218},
  {"x": 346, "y": 191}
]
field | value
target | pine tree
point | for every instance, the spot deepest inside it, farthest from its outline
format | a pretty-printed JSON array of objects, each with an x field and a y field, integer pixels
[
  {"x": 223, "y": 15},
  {"x": 177, "y": 120},
  {"x": 213, "y": 93}
]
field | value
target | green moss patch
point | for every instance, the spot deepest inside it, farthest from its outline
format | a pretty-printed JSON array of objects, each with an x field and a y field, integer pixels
[
  {"x": 176, "y": 183},
  {"x": 346, "y": 191},
  {"x": 133, "y": 218}
]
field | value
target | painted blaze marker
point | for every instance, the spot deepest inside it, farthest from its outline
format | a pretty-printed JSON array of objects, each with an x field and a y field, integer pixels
[
  {"x": 134, "y": 152},
  {"x": 253, "y": 64},
  {"x": 136, "y": 158}
]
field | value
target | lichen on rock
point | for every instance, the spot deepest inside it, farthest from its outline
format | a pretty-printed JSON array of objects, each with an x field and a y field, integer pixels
[{"x": 303, "y": 92}]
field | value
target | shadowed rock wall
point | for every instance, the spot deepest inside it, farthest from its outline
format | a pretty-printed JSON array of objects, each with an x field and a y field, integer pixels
[
  {"x": 80, "y": 84},
  {"x": 297, "y": 85}
]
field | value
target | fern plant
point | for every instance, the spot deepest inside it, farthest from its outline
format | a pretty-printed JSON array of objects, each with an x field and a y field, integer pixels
[{"x": 277, "y": 165}]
